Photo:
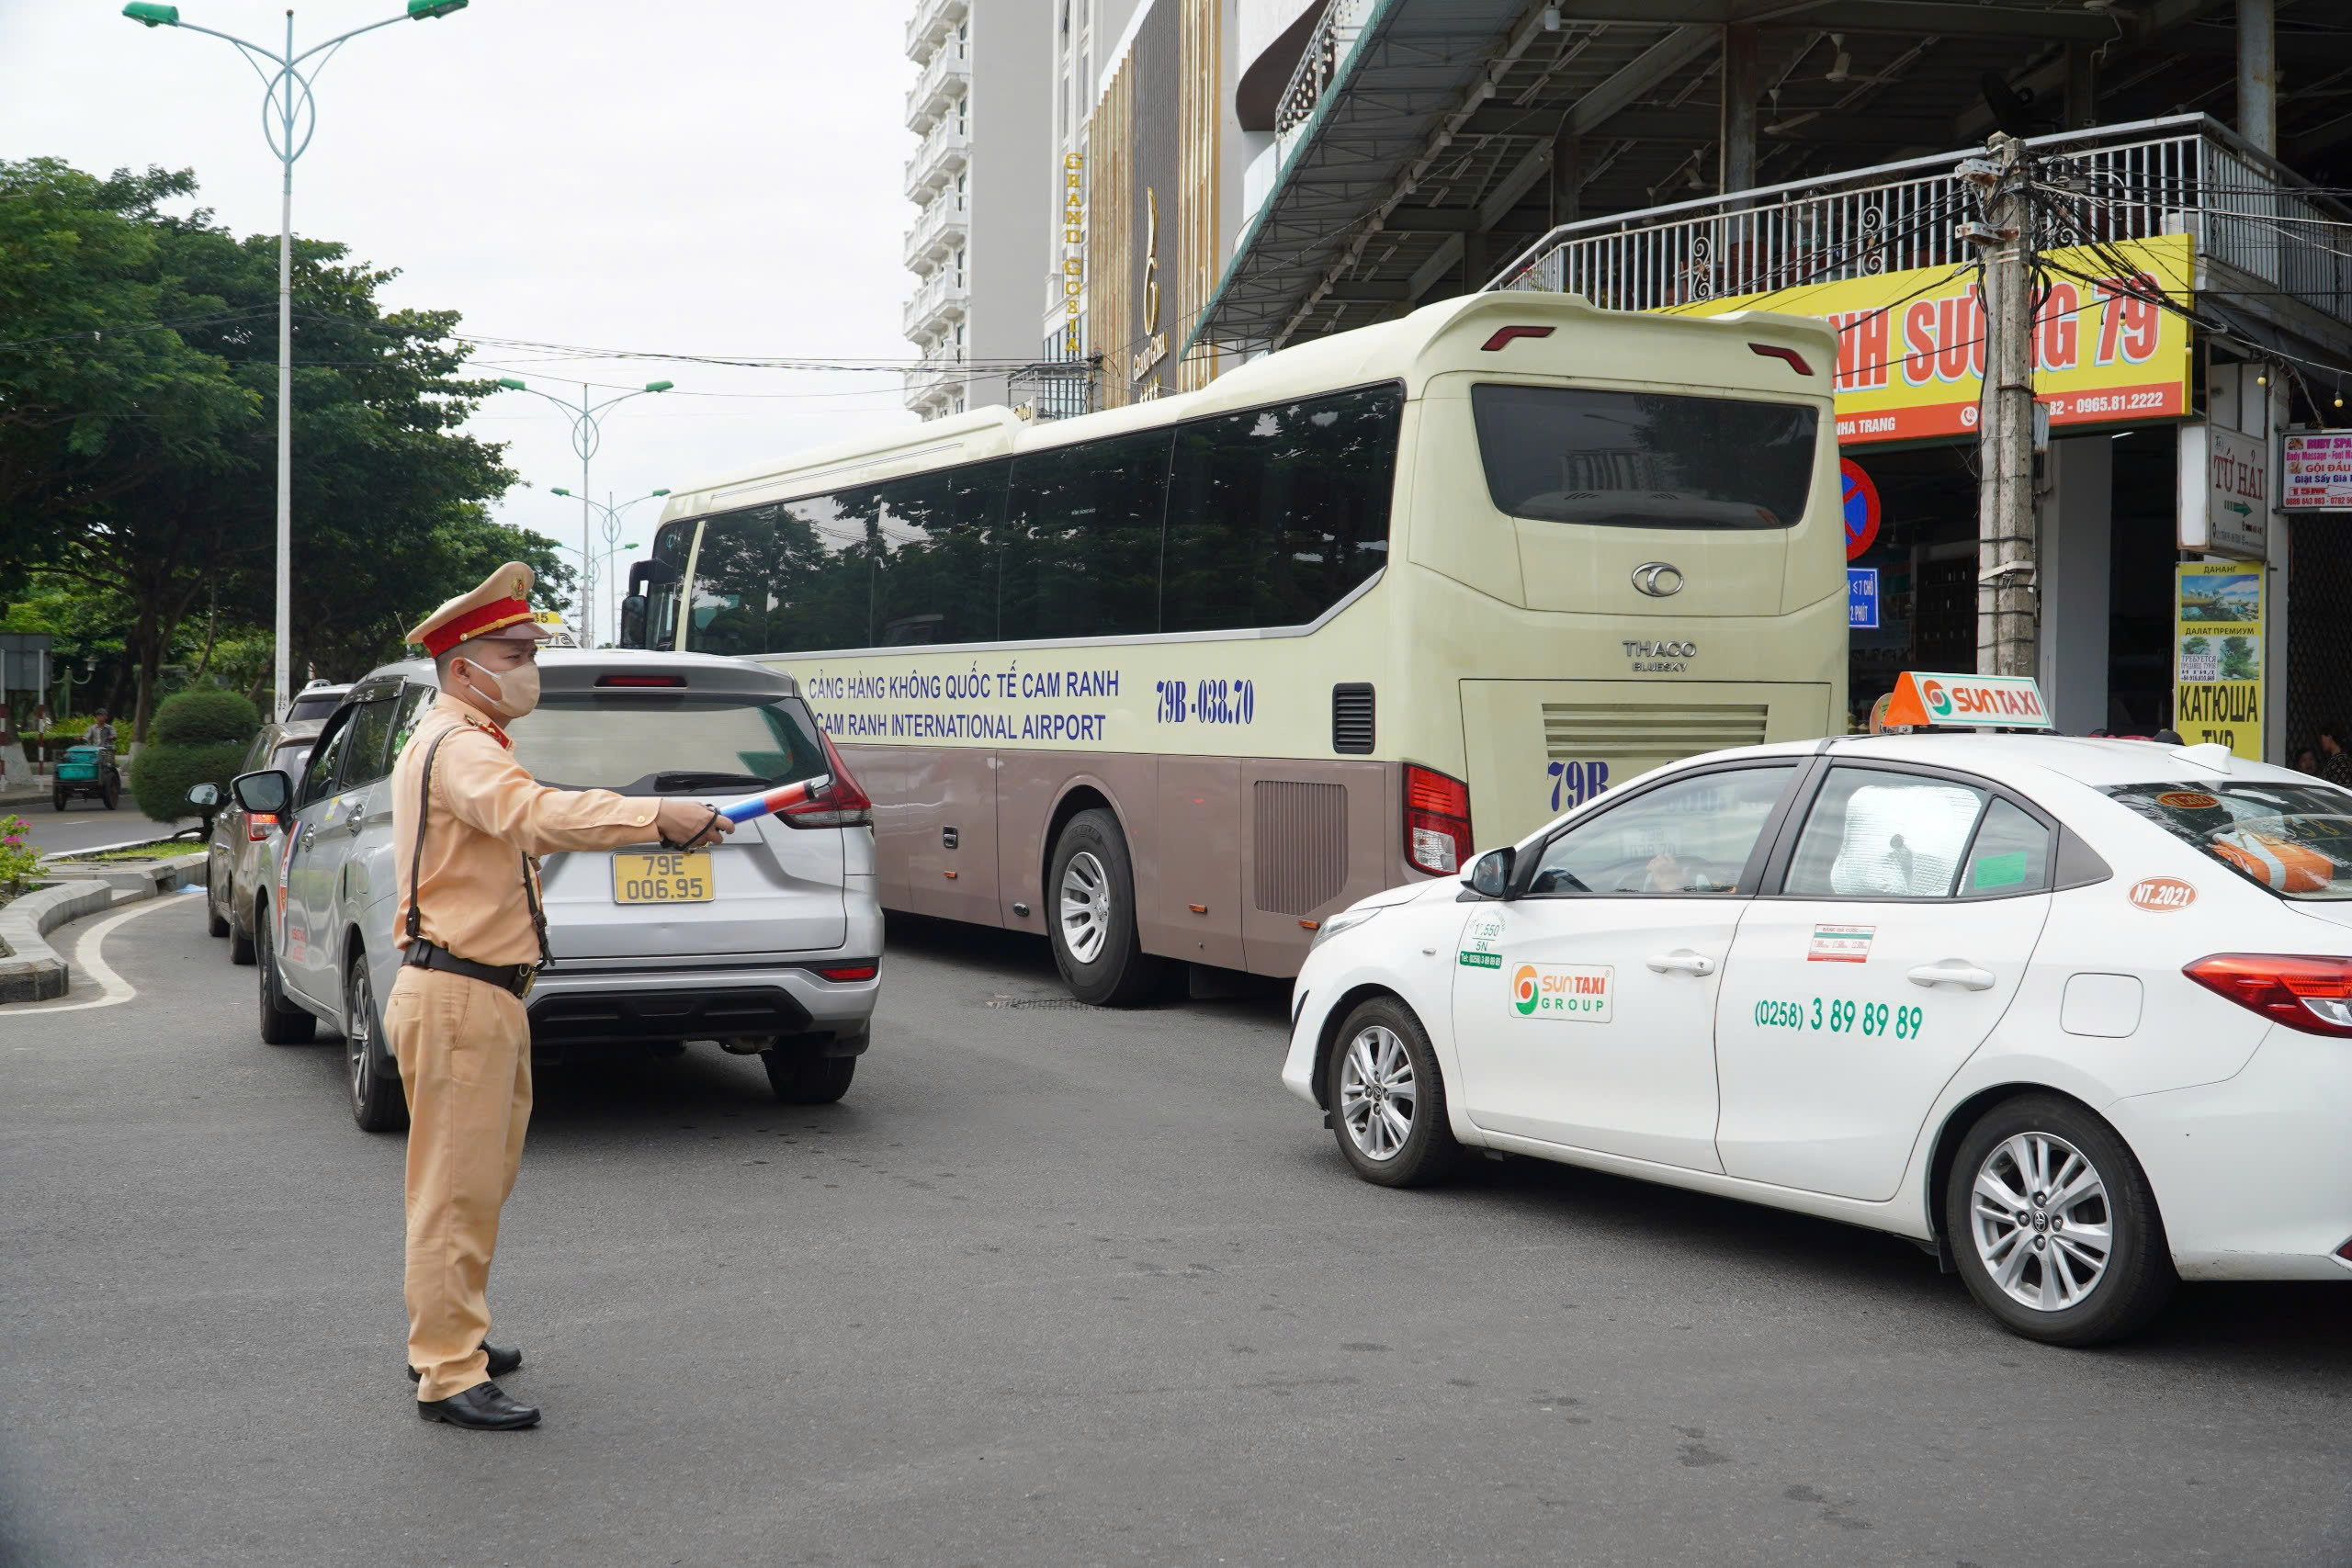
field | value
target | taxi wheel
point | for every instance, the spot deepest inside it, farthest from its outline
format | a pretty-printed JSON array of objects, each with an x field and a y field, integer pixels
[
  {"x": 378, "y": 1102},
  {"x": 1388, "y": 1102},
  {"x": 800, "y": 1077},
  {"x": 1090, "y": 905},
  {"x": 2054, "y": 1226},
  {"x": 282, "y": 1023},
  {"x": 215, "y": 922}
]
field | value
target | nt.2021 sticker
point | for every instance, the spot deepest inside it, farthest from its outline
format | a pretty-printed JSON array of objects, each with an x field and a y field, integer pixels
[{"x": 2162, "y": 895}]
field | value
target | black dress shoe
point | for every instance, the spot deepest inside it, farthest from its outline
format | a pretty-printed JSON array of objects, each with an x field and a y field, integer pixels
[
  {"x": 482, "y": 1408},
  {"x": 500, "y": 1363}
]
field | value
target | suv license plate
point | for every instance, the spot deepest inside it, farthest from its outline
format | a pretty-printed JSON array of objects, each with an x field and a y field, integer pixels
[{"x": 661, "y": 877}]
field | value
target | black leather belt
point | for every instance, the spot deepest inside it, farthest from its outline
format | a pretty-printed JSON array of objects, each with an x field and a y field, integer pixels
[{"x": 514, "y": 977}]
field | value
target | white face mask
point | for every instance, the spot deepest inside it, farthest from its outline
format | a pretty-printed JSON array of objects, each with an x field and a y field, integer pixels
[{"x": 510, "y": 696}]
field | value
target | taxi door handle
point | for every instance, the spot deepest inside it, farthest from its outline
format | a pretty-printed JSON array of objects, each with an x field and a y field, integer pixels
[
  {"x": 1954, "y": 971},
  {"x": 1681, "y": 961}
]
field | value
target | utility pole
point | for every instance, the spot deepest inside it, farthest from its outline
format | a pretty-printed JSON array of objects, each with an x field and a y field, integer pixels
[{"x": 2005, "y": 615}]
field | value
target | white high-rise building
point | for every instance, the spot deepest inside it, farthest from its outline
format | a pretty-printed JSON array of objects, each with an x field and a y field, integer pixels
[{"x": 982, "y": 178}]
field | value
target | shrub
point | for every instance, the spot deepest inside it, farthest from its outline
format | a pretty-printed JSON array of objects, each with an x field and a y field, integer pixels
[
  {"x": 69, "y": 727},
  {"x": 194, "y": 718},
  {"x": 162, "y": 775},
  {"x": 17, "y": 858}
]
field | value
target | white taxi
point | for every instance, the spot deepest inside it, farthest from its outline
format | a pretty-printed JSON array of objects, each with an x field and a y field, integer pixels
[{"x": 2076, "y": 1015}]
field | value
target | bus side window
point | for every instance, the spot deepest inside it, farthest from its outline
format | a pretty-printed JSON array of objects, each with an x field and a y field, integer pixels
[
  {"x": 939, "y": 534},
  {"x": 1082, "y": 526},
  {"x": 1275, "y": 514}
]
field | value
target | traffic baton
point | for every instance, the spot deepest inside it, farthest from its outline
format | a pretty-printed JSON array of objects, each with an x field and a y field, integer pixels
[{"x": 781, "y": 798}]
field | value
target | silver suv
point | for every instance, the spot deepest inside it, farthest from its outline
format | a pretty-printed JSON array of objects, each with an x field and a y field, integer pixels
[{"x": 770, "y": 943}]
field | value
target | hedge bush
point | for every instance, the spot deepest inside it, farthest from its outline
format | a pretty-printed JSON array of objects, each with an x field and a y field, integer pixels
[
  {"x": 196, "y": 737},
  {"x": 193, "y": 719}
]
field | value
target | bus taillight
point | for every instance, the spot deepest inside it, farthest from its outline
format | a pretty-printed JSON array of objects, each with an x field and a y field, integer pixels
[{"x": 1436, "y": 821}]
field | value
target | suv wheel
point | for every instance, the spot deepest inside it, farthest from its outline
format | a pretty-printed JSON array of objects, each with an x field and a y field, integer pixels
[
  {"x": 282, "y": 1023},
  {"x": 215, "y": 922},
  {"x": 2054, "y": 1226},
  {"x": 801, "y": 1077},
  {"x": 241, "y": 938},
  {"x": 378, "y": 1102},
  {"x": 1091, "y": 900}
]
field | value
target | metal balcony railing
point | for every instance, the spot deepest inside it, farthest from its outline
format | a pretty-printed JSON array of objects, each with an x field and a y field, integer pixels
[
  {"x": 1327, "y": 51},
  {"x": 933, "y": 21},
  {"x": 944, "y": 78},
  {"x": 938, "y": 230},
  {"x": 931, "y": 378},
  {"x": 2183, "y": 174},
  {"x": 947, "y": 148}
]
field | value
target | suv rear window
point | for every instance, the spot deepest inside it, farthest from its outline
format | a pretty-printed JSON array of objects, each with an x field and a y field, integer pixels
[
  {"x": 314, "y": 706},
  {"x": 2293, "y": 838},
  {"x": 1643, "y": 459},
  {"x": 669, "y": 743}
]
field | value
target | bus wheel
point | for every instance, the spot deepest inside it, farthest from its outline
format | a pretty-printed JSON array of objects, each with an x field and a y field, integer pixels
[{"x": 1090, "y": 893}]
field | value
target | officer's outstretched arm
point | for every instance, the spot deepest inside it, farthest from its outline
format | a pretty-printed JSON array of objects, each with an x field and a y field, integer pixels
[{"x": 486, "y": 788}]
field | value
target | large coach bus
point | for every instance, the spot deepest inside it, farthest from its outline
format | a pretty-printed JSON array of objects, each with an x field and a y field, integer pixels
[{"x": 1176, "y": 681}]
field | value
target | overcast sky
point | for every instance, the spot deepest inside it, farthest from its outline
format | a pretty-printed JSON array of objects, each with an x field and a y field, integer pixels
[{"x": 695, "y": 177}]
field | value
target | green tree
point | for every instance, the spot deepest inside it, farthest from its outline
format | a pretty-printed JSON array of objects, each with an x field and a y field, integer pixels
[{"x": 138, "y": 389}]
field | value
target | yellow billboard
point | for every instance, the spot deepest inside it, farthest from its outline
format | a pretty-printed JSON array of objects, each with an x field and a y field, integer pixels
[
  {"x": 2217, "y": 655},
  {"x": 1911, "y": 344}
]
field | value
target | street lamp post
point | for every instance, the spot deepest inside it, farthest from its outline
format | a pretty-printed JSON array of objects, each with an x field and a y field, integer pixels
[
  {"x": 591, "y": 566},
  {"x": 289, "y": 103},
  {"x": 587, "y": 435}
]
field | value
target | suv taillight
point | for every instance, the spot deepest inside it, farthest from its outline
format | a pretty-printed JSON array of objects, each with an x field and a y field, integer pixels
[
  {"x": 259, "y": 826},
  {"x": 2313, "y": 995},
  {"x": 846, "y": 804},
  {"x": 1437, "y": 821}
]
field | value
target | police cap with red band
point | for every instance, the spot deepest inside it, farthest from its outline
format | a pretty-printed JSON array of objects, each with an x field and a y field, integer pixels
[{"x": 499, "y": 608}]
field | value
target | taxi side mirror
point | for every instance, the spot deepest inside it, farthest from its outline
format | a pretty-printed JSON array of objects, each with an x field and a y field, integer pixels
[
  {"x": 1490, "y": 876},
  {"x": 204, "y": 796},
  {"x": 266, "y": 793}
]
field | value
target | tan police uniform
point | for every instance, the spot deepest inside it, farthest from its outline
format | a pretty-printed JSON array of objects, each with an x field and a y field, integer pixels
[{"x": 469, "y": 924}]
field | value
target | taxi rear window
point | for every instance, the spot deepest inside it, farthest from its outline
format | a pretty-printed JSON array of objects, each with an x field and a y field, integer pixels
[{"x": 2293, "y": 838}]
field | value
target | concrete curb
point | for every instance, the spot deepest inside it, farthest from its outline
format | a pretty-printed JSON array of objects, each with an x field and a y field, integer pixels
[
  {"x": 33, "y": 972},
  {"x": 139, "y": 879}
]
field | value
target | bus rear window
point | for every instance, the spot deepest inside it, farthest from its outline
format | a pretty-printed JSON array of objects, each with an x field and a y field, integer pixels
[
  {"x": 1643, "y": 459},
  {"x": 2294, "y": 839}
]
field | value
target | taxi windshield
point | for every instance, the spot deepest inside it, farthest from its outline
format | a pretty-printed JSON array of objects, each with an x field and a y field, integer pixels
[
  {"x": 668, "y": 743},
  {"x": 2293, "y": 838}
]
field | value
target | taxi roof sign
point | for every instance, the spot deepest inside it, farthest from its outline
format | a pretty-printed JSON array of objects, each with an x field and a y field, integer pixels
[{"x": 1975, "y": 702}]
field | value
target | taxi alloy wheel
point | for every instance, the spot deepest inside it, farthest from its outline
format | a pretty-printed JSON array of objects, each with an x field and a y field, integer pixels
[
  {"x": 282, "y": 1022},
  {"x": 2053, "y": 1225},
  {"x": 1386, "y": 1101},
  {"x": 1376, "y": 1093}
]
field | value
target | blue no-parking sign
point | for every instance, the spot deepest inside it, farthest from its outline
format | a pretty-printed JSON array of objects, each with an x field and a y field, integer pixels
[{"x": 1861, "y": 598}]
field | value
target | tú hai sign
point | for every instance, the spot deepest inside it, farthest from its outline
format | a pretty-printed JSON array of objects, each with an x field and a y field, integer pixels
[{"x": 1980, "y": 702}]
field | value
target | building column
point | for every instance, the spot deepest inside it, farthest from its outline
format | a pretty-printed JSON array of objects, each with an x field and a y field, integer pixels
[
  {"x": 2075, "y": 572},
  {"x": 1568, "y": 176},
  {"x": 1743, "y": 84},
  {"x": 2258, "y": 73}
]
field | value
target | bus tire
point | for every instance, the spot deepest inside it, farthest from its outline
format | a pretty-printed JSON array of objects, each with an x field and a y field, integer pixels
[{"x": 1091, "y": 915}]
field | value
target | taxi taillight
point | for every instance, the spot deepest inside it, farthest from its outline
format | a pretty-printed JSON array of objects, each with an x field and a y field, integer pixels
[
  {"x": 2312, "y": 995},
  {"x": 258, "y": 825},
  {"x": 846, "y": 805},
  {"x": 1436, "y": 821}
]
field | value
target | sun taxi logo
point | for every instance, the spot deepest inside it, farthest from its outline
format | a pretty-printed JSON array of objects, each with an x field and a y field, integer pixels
[
  {"x": 2162, "y": 894},
  {"x": 2008, "y": 702},
  {"x": 1578, "y": 992}
]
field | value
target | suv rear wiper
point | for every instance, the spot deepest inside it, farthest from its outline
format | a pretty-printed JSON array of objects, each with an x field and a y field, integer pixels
[{"x": 663, "y": 784}]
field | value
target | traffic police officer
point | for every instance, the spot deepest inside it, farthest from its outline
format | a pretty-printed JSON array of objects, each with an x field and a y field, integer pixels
[{"x": 467, "y": 821}]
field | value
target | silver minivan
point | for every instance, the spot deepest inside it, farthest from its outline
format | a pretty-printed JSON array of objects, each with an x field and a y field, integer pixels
[{"x": 768, "y": 944}]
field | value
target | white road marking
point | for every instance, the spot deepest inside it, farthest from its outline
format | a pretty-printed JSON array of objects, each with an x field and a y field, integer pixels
[{"x": 91, "y": 962}]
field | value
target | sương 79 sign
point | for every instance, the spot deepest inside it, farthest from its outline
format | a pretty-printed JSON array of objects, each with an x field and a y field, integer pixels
[{"x": 1911, "y": 344}]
